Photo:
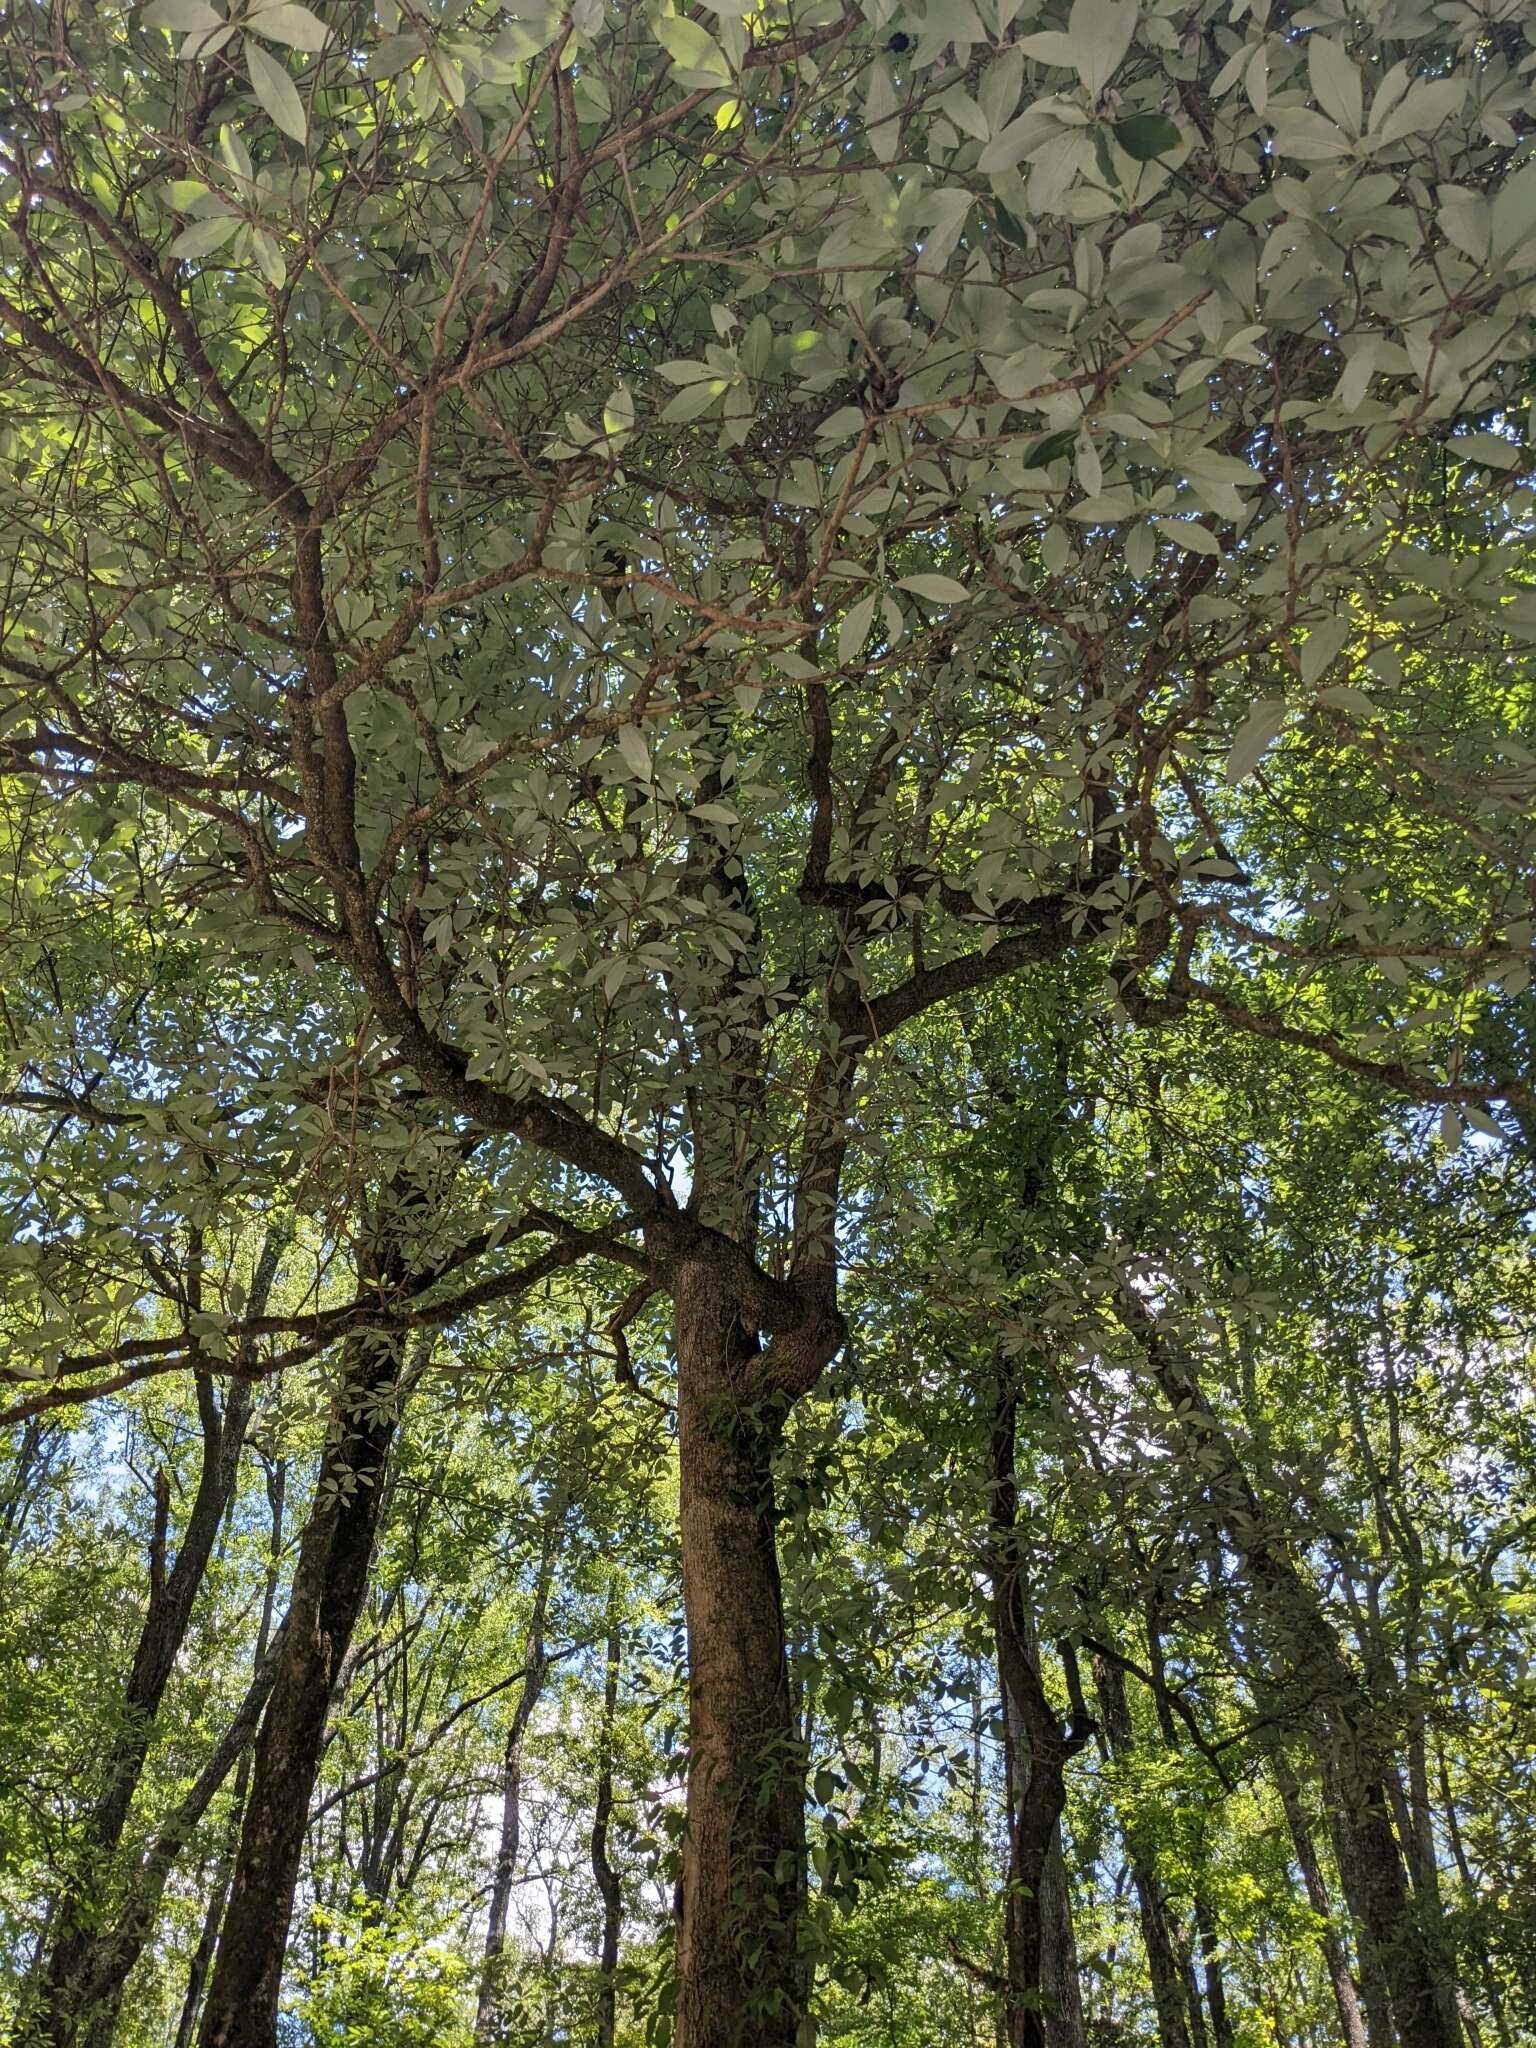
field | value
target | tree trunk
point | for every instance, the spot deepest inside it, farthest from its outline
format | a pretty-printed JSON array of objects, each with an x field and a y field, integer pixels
[
  {"x": 740, "y": 1980},
  {"x": 1351, "y": 2026},
  {"x": 1215, "y": 1987},
  {"x": 1346, "y": 1723},
  {"x": 71, "y": 1967},
  {"x": 504, "y": 1872},
  {"x": 329, "y": 1583},
  {"x": 1043, "y": 2005},
  {"x": 218, "y": 1891},
  {"x": 1163, "y": 1968},
  {"x": 604, "y": 1875}
]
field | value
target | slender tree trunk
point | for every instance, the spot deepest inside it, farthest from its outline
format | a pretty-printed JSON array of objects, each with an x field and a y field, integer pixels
[
  {"x": 1346, "y": 1723},
  {"x": 1215, "y": 1987},
  {"x": 1352, "y": 2029},
  {"x": 1043, "y": 2003},
  {"x": 218, "y": 1891},
  {"x": 1167, "y": 1978},
  {"x": 71, "y": 1967},
  {"x": 604, "y": 1875},
  {"x": 329, "y": 1583},
  {"x": 1464, "y": 1871},
  {"x": 741, "y": 1982},
  {"x": 488, "y": 2013}
]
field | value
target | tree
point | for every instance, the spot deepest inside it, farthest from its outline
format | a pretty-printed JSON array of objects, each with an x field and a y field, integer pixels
[{"x": 644, "y": 559}]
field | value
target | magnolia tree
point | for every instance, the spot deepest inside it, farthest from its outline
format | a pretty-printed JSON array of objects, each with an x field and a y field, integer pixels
[{"x": 637, "y": 554}]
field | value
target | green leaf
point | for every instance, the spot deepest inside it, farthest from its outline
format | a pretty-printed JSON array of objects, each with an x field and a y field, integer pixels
[
  {"x": 235, "y": 153},
  {"x": 290, "y": 24},
  {"x": 1323, "y": 646},
  {"x": 936, "y": 589},
  {"x": 1335, "y": 82},
  {"x": 1190, "y": 534},
  {"x": 276, "y": 92},
  {"x": 854, "y": 630},
  {"x": 191, "y": 17},
  {"x": 697, "y": 58},
  {"x": 1048, "y": 448},
  {"x": 635, "y": 753},
  {"x": 204, "y": 236},
  {"x": 698, "y": 398},
  {"x": 1145, "y": 137},
  {"x": 1254, "y": 737}
]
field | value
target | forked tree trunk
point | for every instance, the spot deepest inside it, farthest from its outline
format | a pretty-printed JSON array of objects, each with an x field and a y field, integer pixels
[
  {"x": 329, "y": 1584},
  {"x": 740, "y": 1982}
]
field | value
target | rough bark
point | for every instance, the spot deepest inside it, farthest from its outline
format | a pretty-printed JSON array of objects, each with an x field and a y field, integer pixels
[
  {"x": 75, "y": 1966},
  {"x": 1043, "y": 2007},
  {"x": 330, "y": 1580},
  {"x": 740, "y": 1983},
  {"x": 509, "y": 1841}
]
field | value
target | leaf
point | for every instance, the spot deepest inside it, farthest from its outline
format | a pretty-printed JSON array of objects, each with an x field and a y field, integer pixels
[
  {"x": 192, "y": 17},
  {"x": 696, "y": 399},
  {"x": 636, "y": 754},
  {"x": 1423, "y": 106},
  {"x": 619, "y": 414},
  {"x": 392, "y": 54},
  {"x": 235, "y": 153},
  {"x": 936, "y": 589},
  {"x": 269, "y": 257},
  {"x": 204, "y": 236},
  {"x": 854, "y": 630},
  {"x": 1304, "y": 133},
  {"x": 276, "y": 92},
  {"x": 1049, "y": 448},
  {"x": 1100, "y": 33},
  {"x": 1335, "y": 82},
  {"x": 1190, "y": 534},
  {"x": 1451, "y": 1128},
  {"x": 290, "y": 24},
  {"x": 1145, "y": 137},
  {"x": 1254, "y": 737},
  {"x": 697, "y": 58},
  {"x": 1322, "y": 647}
]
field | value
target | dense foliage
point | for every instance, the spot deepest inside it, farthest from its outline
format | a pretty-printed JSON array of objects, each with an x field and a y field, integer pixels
[{"x": 765, "y": 1048}]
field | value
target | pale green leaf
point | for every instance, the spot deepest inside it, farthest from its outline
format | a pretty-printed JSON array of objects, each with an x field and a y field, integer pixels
[
  {"x": 636, "y": 754},
  {"x": 936, "y": 589},
  {"x": 1254, "y": 737},
  {"x": 276, "y": 92},
  {"x": 697, "y": 58},
  {"x": 204, "y": 236},
  {"x": 854, "y": 630},
  {"x": 1335, "y": 82},
  {"x": 290, "y": 24},
  {"x": 1323, "y": 646},
  {"x": 191, "y": 17}
]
